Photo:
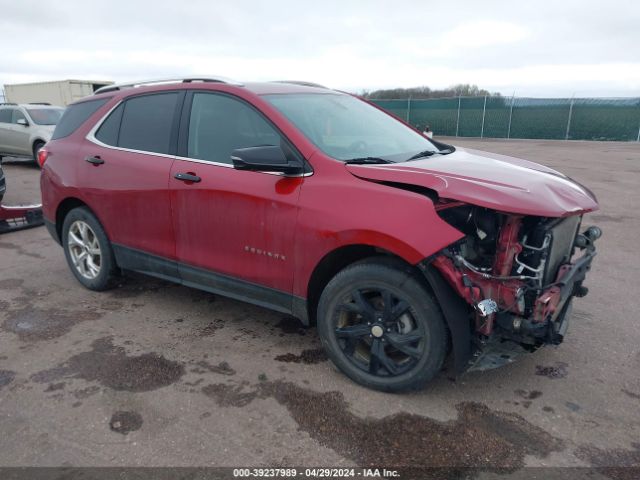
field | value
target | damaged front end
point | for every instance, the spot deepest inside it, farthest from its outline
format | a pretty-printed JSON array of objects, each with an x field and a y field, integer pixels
[{"x": 518, "y": 275}]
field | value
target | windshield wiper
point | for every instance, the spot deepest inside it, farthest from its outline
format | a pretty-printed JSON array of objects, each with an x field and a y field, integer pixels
[
  {"x": 428, "y": 153},
  {"x": 367, "y": 161}
]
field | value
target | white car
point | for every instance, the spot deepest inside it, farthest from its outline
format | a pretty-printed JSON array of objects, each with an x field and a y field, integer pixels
[{"x": 25, "y": 128}]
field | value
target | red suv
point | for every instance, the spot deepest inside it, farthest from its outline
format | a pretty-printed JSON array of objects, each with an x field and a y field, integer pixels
[{"x": 315, "y": 203}]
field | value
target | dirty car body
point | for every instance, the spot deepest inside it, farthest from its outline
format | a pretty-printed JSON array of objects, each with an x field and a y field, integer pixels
[{"x": 315, "y": 203}]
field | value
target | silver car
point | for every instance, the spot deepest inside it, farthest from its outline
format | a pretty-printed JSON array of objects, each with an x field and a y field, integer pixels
[{"x": 25, "y": 128}]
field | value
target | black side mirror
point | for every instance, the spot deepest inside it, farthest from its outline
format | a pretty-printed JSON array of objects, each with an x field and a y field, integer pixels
[{"x": 264, "y": 158}]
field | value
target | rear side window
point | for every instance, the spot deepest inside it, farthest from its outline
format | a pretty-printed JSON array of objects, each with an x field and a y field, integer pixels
[
  {"x": 5, "y": 115},
  {"x": 75, "y": 115},
  {"x": 146, "y": 123}
]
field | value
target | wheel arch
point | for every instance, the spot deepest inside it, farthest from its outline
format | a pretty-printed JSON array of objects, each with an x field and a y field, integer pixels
[
  {"x": 35, "y": 142},
  {"x": 64, "y": 207},
  {"x": 337, "y": 260}
]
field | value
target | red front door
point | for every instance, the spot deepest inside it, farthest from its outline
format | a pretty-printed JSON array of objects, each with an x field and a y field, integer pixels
[
  {"x": 235, "y": 223},
  {"x": 231, "y": 224}
]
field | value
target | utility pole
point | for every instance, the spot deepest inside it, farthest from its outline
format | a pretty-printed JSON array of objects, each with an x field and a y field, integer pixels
[
  {"x": 458, "y": 120},
  {"x": 484, "y": 111},
  {"x": 566, "y": 135},
  {"x": 513, "y": 97}
]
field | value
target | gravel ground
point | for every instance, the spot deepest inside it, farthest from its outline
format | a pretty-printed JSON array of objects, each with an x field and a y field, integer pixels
[{"x": 154, "y": 374}]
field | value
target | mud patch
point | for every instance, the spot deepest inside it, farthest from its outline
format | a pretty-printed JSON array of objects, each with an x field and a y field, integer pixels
[
  {"x": 9, "y": 283},
  {"x": 223, "y": 368},
  {"x": 137, "y": 285},
  {"x": 630, "y": 393},
  {"x": 6, "y": 377},
  {"x": 55, "y": 386},
  {"x": 226, "y": 395},
  {"x": 112, "y": 367},
  {"x": 618, "y": 464},
  {"x": 316, "y": 355},
  {"x": 125, "y": 422},
  {"x": 290, "y": 325},
  {"x": 35, "y": 324},
  {"x": 559, "y": 370},
  {"x": 87, "y": 392},
  {"x": 574, "y": 407},
  {"x": 211, "y": 328},
  {"x": 111, "y": 305},
  {"x": 529, "y": 395},
  {"x": 479, "y": 438},
  {"x": 19, "y": 250}
]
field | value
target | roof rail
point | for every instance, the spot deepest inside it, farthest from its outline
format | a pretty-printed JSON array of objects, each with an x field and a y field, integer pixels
[
  {"x": 301, "y": 83},
  {"x": 120, "y": 86},
  {"x": 40, "y": 103},
  {"x": 8, "y": 103}
]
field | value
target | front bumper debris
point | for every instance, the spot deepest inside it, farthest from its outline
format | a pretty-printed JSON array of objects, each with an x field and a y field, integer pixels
[{"x": 20, "y": 217}]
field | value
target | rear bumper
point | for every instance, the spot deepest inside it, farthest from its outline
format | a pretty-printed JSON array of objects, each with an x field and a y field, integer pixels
[{"x": 53, "y": 231}]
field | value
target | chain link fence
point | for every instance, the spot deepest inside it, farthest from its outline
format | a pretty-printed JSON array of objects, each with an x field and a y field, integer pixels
[{"x": 518, "y": 117}]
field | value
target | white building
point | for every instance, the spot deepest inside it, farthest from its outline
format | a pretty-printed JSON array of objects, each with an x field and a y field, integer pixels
[{"x": 61, "y": 92}]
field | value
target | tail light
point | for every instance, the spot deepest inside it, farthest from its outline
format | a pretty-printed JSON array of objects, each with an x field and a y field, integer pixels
[{"x": 43, "y": 154}]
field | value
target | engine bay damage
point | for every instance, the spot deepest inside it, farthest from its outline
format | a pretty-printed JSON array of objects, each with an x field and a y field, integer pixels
[{"x": 517, "y": 275}]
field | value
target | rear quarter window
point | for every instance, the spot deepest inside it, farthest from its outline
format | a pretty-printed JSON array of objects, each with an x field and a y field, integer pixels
[{"x": 75, "y": 115}]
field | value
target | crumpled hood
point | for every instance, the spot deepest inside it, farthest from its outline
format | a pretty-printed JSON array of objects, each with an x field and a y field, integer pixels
[{"x": 489, "y": 180}]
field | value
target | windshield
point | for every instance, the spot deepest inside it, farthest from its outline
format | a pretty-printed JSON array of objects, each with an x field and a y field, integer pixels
[
  {"x": 347, "y": 128},
  {"x": 45, "y": 116}
]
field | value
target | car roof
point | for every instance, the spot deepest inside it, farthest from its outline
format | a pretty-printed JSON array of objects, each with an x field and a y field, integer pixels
[{"x": 213, "y": 83}]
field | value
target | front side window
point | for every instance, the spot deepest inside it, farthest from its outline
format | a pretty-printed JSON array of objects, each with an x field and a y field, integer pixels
[
  {"x": 219, "y": 124},
  {"x": 346, "y": 128},
  {"x": 17, "y": 115},
  {"x": 147, "y": 122},
  {"x": 45, "y": 116}
]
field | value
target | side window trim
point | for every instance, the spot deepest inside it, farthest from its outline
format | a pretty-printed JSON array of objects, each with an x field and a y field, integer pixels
[
  {"x": 91, "y": 136},
  {"x": 183, "y": 131}
]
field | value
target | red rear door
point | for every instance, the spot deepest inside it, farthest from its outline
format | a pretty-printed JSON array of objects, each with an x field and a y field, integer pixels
[
  {"x": 126, "y": 174},
  {"x": 232, "y": 225}
]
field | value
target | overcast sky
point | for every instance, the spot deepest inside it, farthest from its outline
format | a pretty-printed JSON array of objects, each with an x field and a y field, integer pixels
[{"x": 535, "y": 48}]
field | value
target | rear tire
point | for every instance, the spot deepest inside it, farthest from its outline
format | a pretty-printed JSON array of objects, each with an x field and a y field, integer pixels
[
  {"x": 88, "y": 250},
  {"x": 36, "y": 148},
  {"x": 381, "y": 326}
]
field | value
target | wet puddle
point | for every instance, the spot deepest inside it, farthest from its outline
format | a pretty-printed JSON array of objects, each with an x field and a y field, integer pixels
[
  {"x": 110, "y": 366},
  {"x": 34, "y": 324},
  {"x": 125, "y": 422},
  {"x": 559, "y": 370},
  {"x": 480, "y": 438},
  {"x": 309, "y": 357}
]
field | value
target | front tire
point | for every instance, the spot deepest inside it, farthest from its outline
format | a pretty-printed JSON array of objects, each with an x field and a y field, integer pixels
[
  {"x": 88, "y": 250},
  {"x": 381, "y": 326}
]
